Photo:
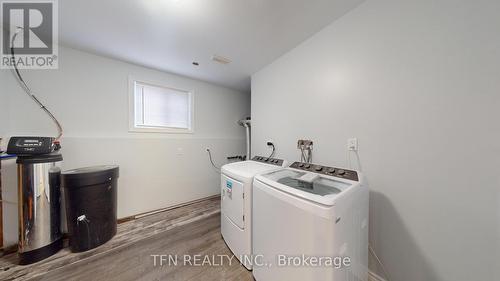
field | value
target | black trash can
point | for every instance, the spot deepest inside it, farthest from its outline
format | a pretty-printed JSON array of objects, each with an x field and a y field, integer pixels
[{"x": 90, "y": 195}]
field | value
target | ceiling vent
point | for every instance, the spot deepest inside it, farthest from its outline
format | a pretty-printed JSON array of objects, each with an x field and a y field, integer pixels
[{"x": 220, "y": 59}]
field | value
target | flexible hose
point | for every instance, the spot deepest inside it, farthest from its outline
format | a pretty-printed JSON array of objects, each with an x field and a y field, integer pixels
[
  {"x": 272, "y": 153},
  {"x": 28, "y": 91},
  {"x": 211, "y": 160}
]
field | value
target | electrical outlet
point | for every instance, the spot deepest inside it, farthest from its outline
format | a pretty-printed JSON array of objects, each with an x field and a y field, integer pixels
[
  {"x": 304, "y": 144},
  {"x": 300, "y": 144},
  {"x": 352, "y": 144}
]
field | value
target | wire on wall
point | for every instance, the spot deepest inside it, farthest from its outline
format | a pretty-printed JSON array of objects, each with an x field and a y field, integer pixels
[
  {"x": 212, "y": 161},
  {"x": 370, "y": 249},
  {"x": 349, "y": 161},
  {"x": 27, "y": 89}
]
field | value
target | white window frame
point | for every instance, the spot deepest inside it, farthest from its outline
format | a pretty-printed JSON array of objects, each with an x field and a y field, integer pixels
[{"x": 144, "y": 129}]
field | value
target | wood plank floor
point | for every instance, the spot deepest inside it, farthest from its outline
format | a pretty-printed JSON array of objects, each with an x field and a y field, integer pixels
[{"x": 189, "y": 230}]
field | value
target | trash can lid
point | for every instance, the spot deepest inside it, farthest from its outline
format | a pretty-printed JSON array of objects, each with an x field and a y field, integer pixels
[
  {"x": 37, "y": 159},
  {"x": 89, "y": 176}
]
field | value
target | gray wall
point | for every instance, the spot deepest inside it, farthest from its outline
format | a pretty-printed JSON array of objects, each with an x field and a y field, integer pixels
[
  {"x": 417, "y": 82},
  {"x": 89, "y": 94}
]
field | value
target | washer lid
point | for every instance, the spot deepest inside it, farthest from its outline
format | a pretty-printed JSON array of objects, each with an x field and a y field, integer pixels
[
  {"x": 247, "y": 169},
  {"x": 308, "y": 185}
]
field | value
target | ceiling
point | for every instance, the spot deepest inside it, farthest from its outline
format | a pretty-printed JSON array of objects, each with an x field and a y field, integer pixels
[{"x": 169, "y": 35}]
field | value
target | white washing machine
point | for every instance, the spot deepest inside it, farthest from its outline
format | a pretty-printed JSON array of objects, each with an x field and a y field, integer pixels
[
  {"x": 236, "y": 203},
  {"x": 310, "y": 223}
]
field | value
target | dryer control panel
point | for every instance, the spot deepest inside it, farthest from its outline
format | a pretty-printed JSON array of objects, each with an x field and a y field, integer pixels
[
  {"x": 325, "y": 170},
  {"x": 272, "y": 161}
]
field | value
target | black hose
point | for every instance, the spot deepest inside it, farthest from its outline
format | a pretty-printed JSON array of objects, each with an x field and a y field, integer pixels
[
  {"x": 211, "y": 160},
  {"x": 272, "y": 153},
  {"x": 28, "y": 90}
]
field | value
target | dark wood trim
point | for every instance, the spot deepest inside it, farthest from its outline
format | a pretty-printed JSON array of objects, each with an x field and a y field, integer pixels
[
  {"x": 125, "y": 219},
  {"x": 153, "y": 212},
  {"x": 8, "y": 250}
]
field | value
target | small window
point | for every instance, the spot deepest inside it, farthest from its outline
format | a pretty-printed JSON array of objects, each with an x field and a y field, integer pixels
[{"x": 160, "y": 109}]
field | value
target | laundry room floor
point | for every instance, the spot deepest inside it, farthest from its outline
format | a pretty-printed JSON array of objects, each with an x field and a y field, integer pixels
[{"x": 192, "y": 230}]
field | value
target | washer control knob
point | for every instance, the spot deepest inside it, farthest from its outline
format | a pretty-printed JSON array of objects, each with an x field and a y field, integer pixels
[
  {"x": 331, "y": 170},
  {"x": 301, "y": 165},
  {"x": 307, "y": 166},
  {"x": 341, "y": 172},
  {"x": 318, "y": 168}
]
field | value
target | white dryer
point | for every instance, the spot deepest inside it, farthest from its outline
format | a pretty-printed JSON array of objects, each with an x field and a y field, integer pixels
[
  {"x": 310, "y": 223},
  {"x": 236, "y": 203}
]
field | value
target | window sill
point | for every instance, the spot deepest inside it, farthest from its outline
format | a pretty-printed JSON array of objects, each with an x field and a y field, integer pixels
[{"x": 160, "y": 130}]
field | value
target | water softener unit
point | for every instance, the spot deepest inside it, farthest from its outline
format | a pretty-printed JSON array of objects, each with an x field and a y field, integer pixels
[
  {"x": 39, "y": 196},
  {"x": 39, "y": 184}
]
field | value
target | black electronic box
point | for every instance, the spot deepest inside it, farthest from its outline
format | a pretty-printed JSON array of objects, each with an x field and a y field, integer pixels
[{"x": 31, "y": 145}]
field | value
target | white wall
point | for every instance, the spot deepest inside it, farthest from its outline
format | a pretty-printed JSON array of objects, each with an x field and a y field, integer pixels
[
  {"x": 418, "y": 83},
  {"x": 89, "y": 94},
  {"x": 3, "y": 108}
]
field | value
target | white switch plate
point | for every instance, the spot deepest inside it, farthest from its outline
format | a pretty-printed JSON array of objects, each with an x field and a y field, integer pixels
[{"x": 352, "y": 144}]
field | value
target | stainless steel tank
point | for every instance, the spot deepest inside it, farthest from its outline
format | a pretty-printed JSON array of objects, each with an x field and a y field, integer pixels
[{"x": 39, "y": 186}]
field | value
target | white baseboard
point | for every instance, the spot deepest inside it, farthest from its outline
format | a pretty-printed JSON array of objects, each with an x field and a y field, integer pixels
[{"x": 372, "y": 276}]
